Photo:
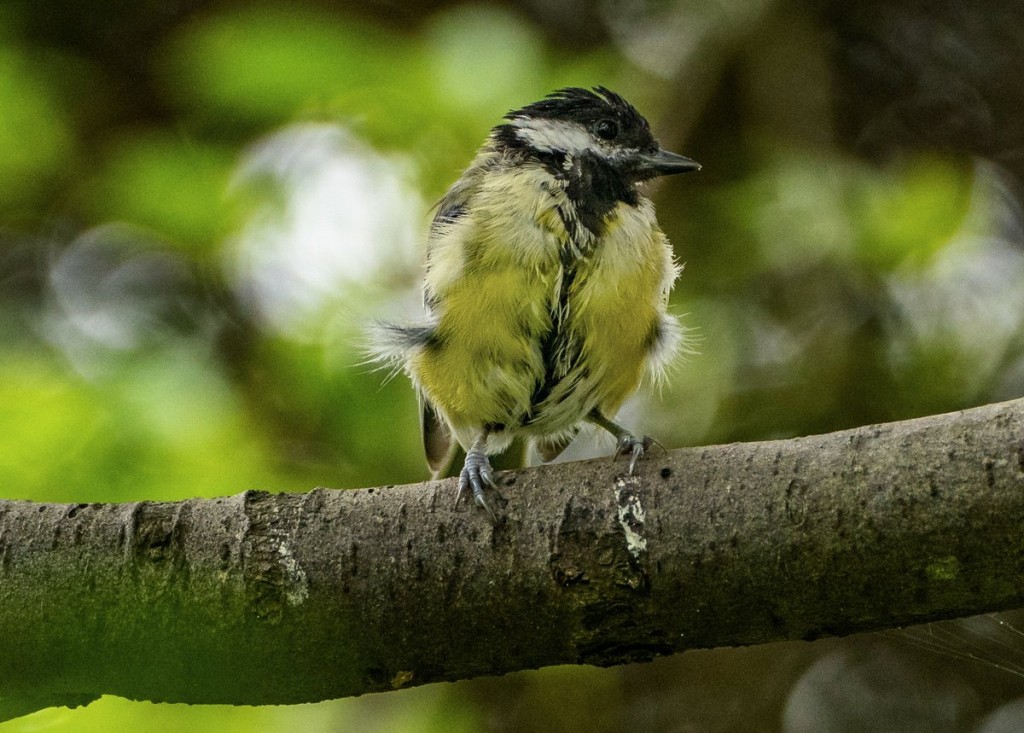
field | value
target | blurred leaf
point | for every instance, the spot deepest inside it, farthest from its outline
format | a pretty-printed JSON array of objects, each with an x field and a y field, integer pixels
[
  {"x": 173, "y": 185},
  {"x": 35, "y": 138},
  {"x": 265, "y": 64},
  {"x": 341, "y": 424},
  {"x": 788, "y": 213},
  {"x": 484, "y": 61},
  {"x": 166, "y": 428},
  {"x": 48, "y": 422},
  {"x": 907, "y": 215}
]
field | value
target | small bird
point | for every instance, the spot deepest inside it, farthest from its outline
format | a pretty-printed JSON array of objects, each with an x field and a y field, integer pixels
[{"x": 546, "y": 287}]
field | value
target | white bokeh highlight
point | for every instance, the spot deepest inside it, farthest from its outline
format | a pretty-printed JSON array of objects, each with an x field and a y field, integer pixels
[{"x": 333, "y": 218}]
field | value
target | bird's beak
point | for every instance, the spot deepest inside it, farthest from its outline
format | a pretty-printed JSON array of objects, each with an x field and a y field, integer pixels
[{"x": 664, "y": 163}]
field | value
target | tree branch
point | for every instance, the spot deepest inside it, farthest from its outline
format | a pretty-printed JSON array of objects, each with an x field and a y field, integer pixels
[{"x": 287, "y": 598}]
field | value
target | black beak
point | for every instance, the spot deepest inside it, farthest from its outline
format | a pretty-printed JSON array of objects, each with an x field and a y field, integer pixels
[{"x": 664, "y": 163}]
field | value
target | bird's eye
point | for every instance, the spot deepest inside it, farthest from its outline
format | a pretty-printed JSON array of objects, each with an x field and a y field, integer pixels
[{"x": 606, "y": 129}]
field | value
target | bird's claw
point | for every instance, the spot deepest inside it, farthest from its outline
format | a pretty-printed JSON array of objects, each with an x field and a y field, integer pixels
[
  {"x": 634, "y": 447},
  {"x": 476, "y": 473}
]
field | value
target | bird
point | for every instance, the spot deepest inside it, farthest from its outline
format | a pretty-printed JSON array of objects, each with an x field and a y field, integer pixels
[{"x": 546, "y": 287}]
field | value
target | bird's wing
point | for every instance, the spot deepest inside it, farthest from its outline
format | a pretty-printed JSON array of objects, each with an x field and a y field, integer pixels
[
  {"x": 444, "y": 243},
  {"x": 449, "y": 210},
  {"x": 437, "y": 438}
]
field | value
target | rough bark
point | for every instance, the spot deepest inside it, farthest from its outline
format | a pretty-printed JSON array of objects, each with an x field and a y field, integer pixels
[{"x": 284, "y": 598}]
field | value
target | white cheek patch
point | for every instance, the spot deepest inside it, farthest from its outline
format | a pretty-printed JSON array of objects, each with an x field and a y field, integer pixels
[{"x": 551, "y": 135}]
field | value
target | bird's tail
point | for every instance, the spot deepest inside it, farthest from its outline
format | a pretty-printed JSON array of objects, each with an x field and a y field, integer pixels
[{"x": 389, "y": 345}]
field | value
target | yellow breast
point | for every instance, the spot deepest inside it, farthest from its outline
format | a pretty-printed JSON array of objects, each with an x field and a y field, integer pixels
[{"x": 500, "y": 284}]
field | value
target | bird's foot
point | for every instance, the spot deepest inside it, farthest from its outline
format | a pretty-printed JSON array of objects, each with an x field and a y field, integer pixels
[
  {"x": 626, "y": 444},
  {"x": 476, "y": 473},
  {"x": 634, "y": 447}
]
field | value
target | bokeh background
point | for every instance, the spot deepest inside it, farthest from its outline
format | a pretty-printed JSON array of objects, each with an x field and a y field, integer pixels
[{"x": 203, "y": 202}]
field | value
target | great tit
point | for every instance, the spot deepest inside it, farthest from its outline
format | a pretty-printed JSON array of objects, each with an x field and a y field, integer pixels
[{"x": 546, "y": 287}]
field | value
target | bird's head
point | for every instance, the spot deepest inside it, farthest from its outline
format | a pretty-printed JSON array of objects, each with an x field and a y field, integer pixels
[{"x": 574, "y": 124}]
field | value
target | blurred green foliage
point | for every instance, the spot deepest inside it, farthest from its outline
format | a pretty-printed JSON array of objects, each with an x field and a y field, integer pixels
[
  {"x": 822, "y": 289},
  {"x": 34, "y": 133},
  {"x": 172, "y": 184}
]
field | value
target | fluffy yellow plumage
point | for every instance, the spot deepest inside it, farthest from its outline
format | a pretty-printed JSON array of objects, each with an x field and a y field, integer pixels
[
  {"x": 497, "y": 294},
  {"x": 547, "y": 284}
]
